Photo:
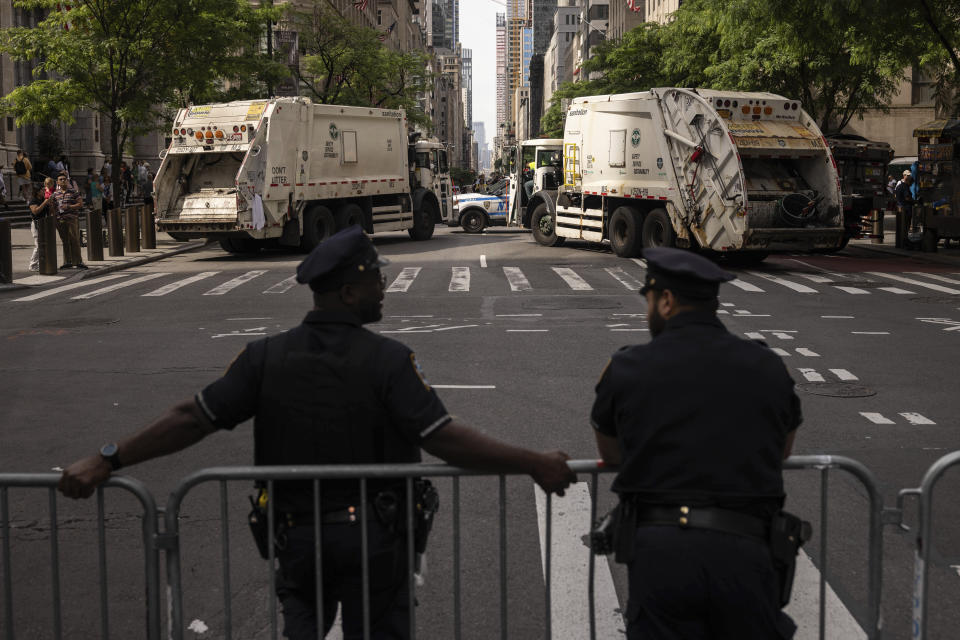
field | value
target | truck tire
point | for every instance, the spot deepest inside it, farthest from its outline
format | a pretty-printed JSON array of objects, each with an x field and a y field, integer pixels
[
  {"x": 318, "y": 225},
  {"x": 542, "y": 225},
  {"x": 348, "y": 215},
  {"x": 623, "y": 231},
  {"x": 423, "y": 220},
  {"x": 473, "y": 221},
  {"x": 240, "y": 245},
  {"x": 657, "y": 230}
]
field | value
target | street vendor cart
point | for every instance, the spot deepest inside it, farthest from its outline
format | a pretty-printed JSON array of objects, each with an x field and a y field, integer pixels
[{"x": 938, "y": 212}]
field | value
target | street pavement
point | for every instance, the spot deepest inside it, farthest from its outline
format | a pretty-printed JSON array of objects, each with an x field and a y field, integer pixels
[{"x": 513, "y": 335}]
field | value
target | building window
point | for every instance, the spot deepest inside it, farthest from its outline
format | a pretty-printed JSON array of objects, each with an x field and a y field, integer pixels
[
  {"x": 9, "y": 123},
  {"x": 921, "y": 88},
  {"x": 379, "y": 17}
]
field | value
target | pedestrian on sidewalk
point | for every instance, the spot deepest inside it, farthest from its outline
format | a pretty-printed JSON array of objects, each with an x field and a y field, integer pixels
[
  {"x": 95, "y": 187},
  {"x": 69, "y": 202},
  {"x": 22, "y": 169},
  {"x": 3, "y": 189},
  {"x": 40, "y": 207}
]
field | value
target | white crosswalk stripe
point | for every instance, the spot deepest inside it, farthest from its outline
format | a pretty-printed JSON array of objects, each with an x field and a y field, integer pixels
[
  {"x": 844, "y": 375},
  {"x": 459, "y": 279},
  {"x": 624, "y": 278},
  {"x": 853, "y": 290},
  {"x": 746, "y": 286},
  {"x": 173, "y": 286},
  {"x": 876, "y": 418},
  {"x": 914, "y": 281},
  {"x": 800, "y": 288},
  {"x": 230, "y": 285},
  {"x": 119, "y": 285},
  {"x": 68, "y": 287},
  {"x": 916, "y": 418},
  {"x": 283, "y": 286},
  {"x": 518, "y": 281},
  {"x": 811, "y": 277},
  {"x": 404, "y": 279},
  {"x": 934, "y": 276},
  {"x": 812, "y": 375},
  {"x": 573, "y": 281},
  {"x": 896, "y": 290}
]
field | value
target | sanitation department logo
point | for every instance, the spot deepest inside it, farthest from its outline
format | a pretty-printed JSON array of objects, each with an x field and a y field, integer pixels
[
  {"x": 334, "y": 133},
  {"x": 659, "y": 163},
  {"x": 635, "y": 138}
]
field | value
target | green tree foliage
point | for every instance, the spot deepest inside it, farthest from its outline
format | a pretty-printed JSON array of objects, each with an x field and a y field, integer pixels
[
  {"x": 348, "y": 65},
  {"x": 936, "y": 35},
  {"x": 462, "y": 177},
  {"x": 125, "y": 59}
]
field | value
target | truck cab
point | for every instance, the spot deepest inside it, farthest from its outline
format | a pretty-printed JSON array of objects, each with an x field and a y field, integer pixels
[
  {"x": 538, "y": 160},
  {"x": 430, "y": 172}
]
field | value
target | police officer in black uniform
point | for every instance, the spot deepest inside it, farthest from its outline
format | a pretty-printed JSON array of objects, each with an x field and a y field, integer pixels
[
  {"x": 331, "y": 392},
  {"x": 700, "y": 421}
]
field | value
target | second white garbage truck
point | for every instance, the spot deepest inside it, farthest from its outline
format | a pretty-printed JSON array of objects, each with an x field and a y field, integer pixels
[
  {"x": 288, "y": 171},
  {"x": 722, "y": 171}
]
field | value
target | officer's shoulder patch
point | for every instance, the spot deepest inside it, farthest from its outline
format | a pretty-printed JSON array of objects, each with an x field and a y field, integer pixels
[{"x": 419, "y": 371}]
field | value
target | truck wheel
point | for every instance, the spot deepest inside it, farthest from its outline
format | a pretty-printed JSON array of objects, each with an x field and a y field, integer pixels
[
  {"x": 542, "y": 225},
  {"x": 423, "y": 220},
  {"x": 348, "y": 215},
  {"x": 318, "y": 225},
  {"x": 240, "y": 245},
  {"x": 473, "y": 221},
  {"x": 657, "y": 230},
  {"x": 624, "y": 232}
]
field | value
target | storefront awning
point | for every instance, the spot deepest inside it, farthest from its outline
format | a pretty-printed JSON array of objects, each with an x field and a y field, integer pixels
[{"x": 938, "y": 128}]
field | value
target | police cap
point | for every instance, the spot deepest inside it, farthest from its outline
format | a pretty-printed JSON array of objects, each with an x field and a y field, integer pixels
[
  {"x": 338, "y": 259},
  {"x": 683, "y": 272}
]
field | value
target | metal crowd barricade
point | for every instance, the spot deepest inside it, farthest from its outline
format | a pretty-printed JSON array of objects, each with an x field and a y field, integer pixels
[
  {"x": 925, "y": 552},
  {"x": 151, "y": 553}
]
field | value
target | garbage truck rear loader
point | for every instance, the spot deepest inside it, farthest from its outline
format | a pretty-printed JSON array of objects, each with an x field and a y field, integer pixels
[
  {"x": 288, "y": 171},
  {"x": 727, "y": 172}
]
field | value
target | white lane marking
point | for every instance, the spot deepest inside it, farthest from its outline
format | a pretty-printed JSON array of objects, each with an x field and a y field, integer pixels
[
  {"x": 779, "y": 330},
  {"x": 746, "y": 286},
  {"x": 876, "y": 418},
  {"x": 783, "y": 335},
  {"x": 408, "y": 331},
  {"x": 459, "y": 279},
  {"x": 462, "y": 326},
  {"x": 409, "y": 316},
  {"x": 843, "y": 374},
  {"x": 812, "y": 375},
  {"x": 404, "y": 279},
  {"x": 811, "y": 277},
  {"x": 934, "y": 276},
  {"x": 420, "y": 328},
  {"x": 464, "y": 386},
  {"x": 838, "y": 317},
  {"x": 569, "y": 568},
  {"x": 629, "y": 329},
  {"x": 726, "y": 304},
  {"x": 743, "y": 313},
  {"x": 173, "y": 286},
  {"x": 611, "y": 326},
  {"x": 800, "y": 288},
  {"x": 804, "y": 606},
  {"x": 916, "y": 418},
  {"x": 483, "y": 262},
  {"x": 624, "y": 278},
  {"x": 854, "y": 290},
  {"x": 527, "y": 330},
  {"x": 754, "y": 335},
  {"x": 257, "y": 331},
  {"x": 236, "y": 319},
  {"x": 723, "y": 312},
  {"x": 640, "y": 261},
  {"x": 783, "y": 353},
  {"x": 913, "y": 281},
  {"x": 119, "y": 285},
  {"x": 519, "y": 315},
  {"x": 518, "y": 281},
  {"x": 230, "y": 285},
  {"x": 896, "y": 290},
  {"x": 870, "y": 333},
  {"x": 573, "y": 281},
  {"x": 68, "y": 287},
  {"x": 807, "y": 352},
  {"x": 283, "y": 286}
]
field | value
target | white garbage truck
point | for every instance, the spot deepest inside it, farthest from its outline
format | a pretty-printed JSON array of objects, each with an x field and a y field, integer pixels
[
  {"x": 538, "y": 163},
  {"x": 721, "y": 171},
  {"x": 287, "y": 171}
]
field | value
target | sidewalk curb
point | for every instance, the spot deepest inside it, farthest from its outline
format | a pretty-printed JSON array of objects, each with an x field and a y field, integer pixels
[
  {"x": 937, "y": 257},
  {"x": 96, "y": 271}
]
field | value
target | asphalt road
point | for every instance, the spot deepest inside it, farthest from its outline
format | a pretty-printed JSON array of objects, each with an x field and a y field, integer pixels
[{"x": 514, "y": 335}]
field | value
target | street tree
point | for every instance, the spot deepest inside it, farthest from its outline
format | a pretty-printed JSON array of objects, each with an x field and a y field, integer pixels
[
  {"x": 126, "y": 59},
  {"x": 348, "y": 64},
  {"x": 938, "y": 45}
]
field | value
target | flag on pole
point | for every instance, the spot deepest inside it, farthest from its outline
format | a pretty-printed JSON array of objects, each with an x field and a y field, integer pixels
[
  {"x": 360, "y": 5},
  {"x": 386, "y": 34},
  {"x": 635, "y": 5}
]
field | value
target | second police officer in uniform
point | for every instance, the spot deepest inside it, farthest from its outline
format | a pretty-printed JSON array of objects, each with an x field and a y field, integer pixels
[
  {"x": 330, "y": 392},
  {"x": 700, "y": 421}
]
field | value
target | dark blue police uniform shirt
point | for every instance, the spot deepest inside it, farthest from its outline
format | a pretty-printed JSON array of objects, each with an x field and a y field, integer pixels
[
  {"x": 701, "y": 416},
  {"x": 413, "y": 405}
]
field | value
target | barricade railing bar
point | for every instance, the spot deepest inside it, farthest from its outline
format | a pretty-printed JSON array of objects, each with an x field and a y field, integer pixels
[
  {"x": 149, "y": 523},
  {"x": 925, "y": 552}
]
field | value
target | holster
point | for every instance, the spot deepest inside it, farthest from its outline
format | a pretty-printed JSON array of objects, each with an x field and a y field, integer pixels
[
  {"x": 787, "y": 534},
  {"x": 426, "y": 503},
  {"x": 614, "y": 532}
]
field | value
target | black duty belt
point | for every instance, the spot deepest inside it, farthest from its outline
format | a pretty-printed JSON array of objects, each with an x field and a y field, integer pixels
[
  {"x": 712, "y": 518},
  {"x": 349, "y": 515}
]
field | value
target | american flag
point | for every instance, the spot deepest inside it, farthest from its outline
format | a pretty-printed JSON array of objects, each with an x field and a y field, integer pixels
[
  {"x": 360, "y": 5},
  {"x": 386, "y": 34},
  {"x": 635, "y": 5}
]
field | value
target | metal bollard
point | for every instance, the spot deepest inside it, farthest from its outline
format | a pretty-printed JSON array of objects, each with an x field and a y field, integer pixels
[
  {"x": 132, "y": 225},
  {"x": 6, "y": 253},
  {"x": 877, "y": 235},
  {"x": 47, "y": 245},
  {"x": 94, "y": 236},
  {"x": 148, "y": 229},
  {"x": 116, "y": 233}
]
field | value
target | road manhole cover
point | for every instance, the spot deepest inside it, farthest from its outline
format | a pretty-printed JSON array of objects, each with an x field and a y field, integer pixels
[
  {"x": 837, "y": 389},
  {"x": 570, "y": 302},
  {"x": 70, "y": 323}
]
